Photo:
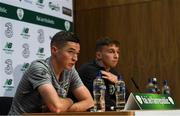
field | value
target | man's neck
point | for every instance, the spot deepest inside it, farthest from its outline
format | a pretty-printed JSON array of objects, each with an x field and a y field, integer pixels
[
  {"x": 101, "y": 64},
  {"x": 56, "y": 69}
]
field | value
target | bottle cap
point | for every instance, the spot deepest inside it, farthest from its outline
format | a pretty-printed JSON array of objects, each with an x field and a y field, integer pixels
[
  {"x": 154, "y": 80},
  {"x": 165, "y": 82},
  {"x": 120, "y": 77},
  {"x": 98, "y": 74}
]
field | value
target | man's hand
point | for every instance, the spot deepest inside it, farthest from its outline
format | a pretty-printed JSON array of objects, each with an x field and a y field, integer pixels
[{"x": 109, "y": 76}]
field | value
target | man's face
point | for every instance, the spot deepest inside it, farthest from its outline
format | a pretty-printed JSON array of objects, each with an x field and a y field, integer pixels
[
  {"x": 67, "y": 56},
  {"x": 108, "y": 55}
]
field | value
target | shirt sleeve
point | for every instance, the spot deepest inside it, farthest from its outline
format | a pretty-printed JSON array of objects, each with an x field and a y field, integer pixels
[{"x": 38, "y": 74}]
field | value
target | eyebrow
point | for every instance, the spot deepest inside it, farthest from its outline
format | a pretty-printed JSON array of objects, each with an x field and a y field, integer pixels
[{"x": 74, "y": 50}]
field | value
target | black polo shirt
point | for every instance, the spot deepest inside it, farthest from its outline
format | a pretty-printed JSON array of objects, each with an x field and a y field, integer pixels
[{"x": 87, "y": 74}]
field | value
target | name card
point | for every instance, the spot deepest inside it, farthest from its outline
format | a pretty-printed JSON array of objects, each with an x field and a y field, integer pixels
[{"x": 149, "y": 101}]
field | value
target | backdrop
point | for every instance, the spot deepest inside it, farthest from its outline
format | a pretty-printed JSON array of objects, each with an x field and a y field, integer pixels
[{"x": 26, "y": 28}]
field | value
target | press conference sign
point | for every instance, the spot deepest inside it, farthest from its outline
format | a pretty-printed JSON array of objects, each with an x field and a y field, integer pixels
[{"x": 149, "y": 101}]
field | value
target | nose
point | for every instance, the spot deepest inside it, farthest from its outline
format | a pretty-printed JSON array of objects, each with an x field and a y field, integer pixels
[
  {"x": 116, "y": 55},
  {"x": 75, "y": 57}
]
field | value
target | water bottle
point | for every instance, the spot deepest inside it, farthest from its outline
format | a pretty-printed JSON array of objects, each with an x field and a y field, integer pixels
[
  {"x": 150, "y": 88},
  {"x": 120, "y": 93},
  {"x": 165, "y": 88},
  {"x": 99, "y": 89},
  {"x": 156, "y": 85}
]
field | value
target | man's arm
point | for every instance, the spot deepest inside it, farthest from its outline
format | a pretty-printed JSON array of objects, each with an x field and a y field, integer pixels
[
  {"x": 52, "y": 100},
  {"x": 84, "y": 97}
]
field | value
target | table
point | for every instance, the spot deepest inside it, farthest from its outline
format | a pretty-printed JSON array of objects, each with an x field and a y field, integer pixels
[
  {"x": 113, "y": 113},
  {"x": 107, "y": 113}
]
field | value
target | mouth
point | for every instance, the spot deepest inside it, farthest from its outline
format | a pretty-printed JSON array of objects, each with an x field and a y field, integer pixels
[
  {"x": 115, "y": 61},
  {"x": 71, "y": 64}
]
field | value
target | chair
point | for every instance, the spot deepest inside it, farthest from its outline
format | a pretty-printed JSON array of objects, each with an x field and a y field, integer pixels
[{"x": 5, "y": 104}]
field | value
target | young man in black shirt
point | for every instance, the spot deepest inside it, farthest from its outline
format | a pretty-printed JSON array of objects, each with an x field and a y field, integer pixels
[{"x": 107, "y": 57}]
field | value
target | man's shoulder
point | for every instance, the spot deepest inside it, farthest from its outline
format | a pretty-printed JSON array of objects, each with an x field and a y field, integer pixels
[
  {"x": 39, "y": 64},
  {"x": 88, "y": 65}
]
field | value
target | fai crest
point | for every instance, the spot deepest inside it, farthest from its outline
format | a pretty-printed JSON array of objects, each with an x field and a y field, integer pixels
[
  {"x": 20, "y": 13},
  {"x": 67, "y": 25}
]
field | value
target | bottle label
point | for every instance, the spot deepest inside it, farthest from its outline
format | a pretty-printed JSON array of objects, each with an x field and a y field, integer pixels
[
  {"x": 120, "y": 89},
  {"x": 166, "y": 92},
  {"x": 99, "y": 87},
  {"x": 111, "y": 89}
]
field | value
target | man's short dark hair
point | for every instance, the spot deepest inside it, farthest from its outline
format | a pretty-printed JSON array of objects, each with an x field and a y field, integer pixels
[
  {"x": 62, "y": 37},
  {"x": 106, "y": 42}
]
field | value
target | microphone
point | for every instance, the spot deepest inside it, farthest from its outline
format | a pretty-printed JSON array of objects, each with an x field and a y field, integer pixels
[{"x": 135, "y": 84}]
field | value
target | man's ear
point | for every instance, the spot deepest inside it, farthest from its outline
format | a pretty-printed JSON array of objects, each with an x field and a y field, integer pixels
[
  {"x": 98, "y": 55},
  {"x": 54, "y": 49}
]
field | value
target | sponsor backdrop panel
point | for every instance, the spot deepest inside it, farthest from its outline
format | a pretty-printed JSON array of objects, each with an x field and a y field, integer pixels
[
  {"x": 57, "y": 8},
  {"x": 26, "y": 28}
]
